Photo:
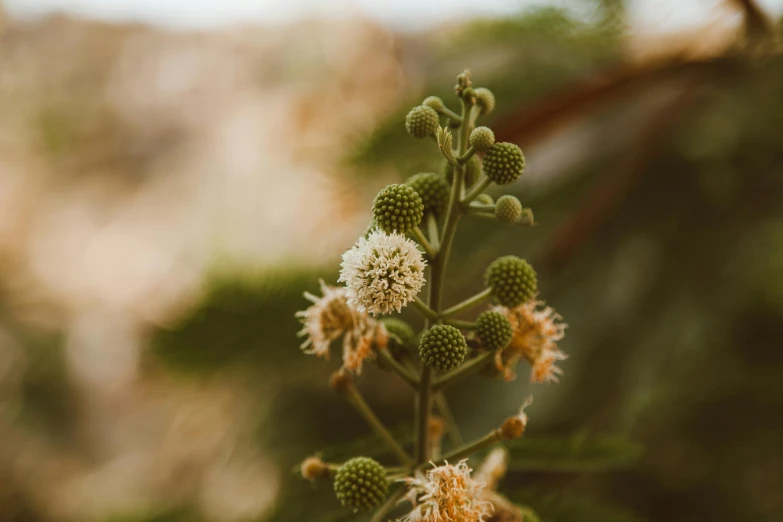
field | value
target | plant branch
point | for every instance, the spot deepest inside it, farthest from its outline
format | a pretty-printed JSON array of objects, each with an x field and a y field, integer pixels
[
  {"x": 472, "y": 366},
  {"x": 476, "y": 189},
  {"x": 425, "y": 244},
  {"x": 451, "y": 424},
  {"x": 476, "y": 300},
  {"x": 432, "y": 230},
  {"x": 425, "y": 310},
  {"x": 387, "y": 506},
  {"x": 462, "y": 325},
  {"x": 356, "y": 399},
  {"x": 467, "y": 450},
  {"x": 394, "y": 365}
]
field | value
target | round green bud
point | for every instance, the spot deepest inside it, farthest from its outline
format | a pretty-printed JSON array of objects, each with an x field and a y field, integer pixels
[
  {"x": 482, "y": 138},
  {"x": 512, "y": 281},
  {"x": 504, "y": 163},
  {"x": 485, "y": 100},
  {"x": 493, "y": 330},
  {"x": 422, "y": 121},
  {"x": 484, "y": 199},
  {"x": 433, "y": 190},
  {"x": 508, "y": 209},
  {"x": 527, "y": 217},
  {"x": 434, "y": 102},
  {"x": 473, "y": 170},
  {"x": 400, "y": 335},
  {"x": 397, "y": 208},
  {"x": 360, "y": 484},
  {"x": 443, "y": 347}
]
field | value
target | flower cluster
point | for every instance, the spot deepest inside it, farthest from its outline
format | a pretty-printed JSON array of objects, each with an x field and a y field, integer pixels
[{"x": 384, "y": 271}]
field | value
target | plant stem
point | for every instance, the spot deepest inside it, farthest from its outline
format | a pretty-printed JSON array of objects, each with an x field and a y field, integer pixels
[
  {"x": 481, "y": 207},
  {"x": 387, "y": 506},
  {"x": 451, "y": 424},
  {"x": 468, "y": 303},
  {"x": 425, "y": 244},
  {"x": 476, "y": 189},
  {"x": 425, "y": 310},
  {"x": 395, "y": 366},
  {"x": 468, "y": 449},
  {"x": 484, "y": 215},
  {"x": 472, "y": 366},
  {"x": 462, "y": 325},
  {"x": 432, "y": 230},
  {"x": 356, "y": 399},
  {"x": 465, "y": 157},
  {"x": 450, "y": 114}
]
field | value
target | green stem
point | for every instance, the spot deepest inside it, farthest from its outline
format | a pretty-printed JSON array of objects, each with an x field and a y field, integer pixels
[
  {"x": 432, "y": 230},
  {"x": 465, "y": 157},
  {"x": 467, "y": 450},
  {"x": 462, "y": 325},
  {"x": 425, "y": 244},
  {"x": 387, "y": 506},
  {"x": 476, "y": 189},
  {"x": 468, "y": 303},
  {"x": 356, "y": 399},
  {"x": 425, "y": 310},
  {"x": 472, "y": 366},
  {"x": 450, "y": 114},
  {"x": 482, "y": 207},
  {"x": 451, "y": 423},
  {"x": 483, "y": 215},
  {"x": 395, "y": 366}
]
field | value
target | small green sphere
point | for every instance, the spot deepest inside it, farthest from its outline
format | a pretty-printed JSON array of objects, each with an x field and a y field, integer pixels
[
  {"x": 493, "y": 330},
  {"x": 400, "y": 335},
  {"x": 443, "y": 347},
  {"x": 472, "y": 170},
  {"x": 397, "y": 208},
  {"x": 434, "y": 102},
  {"x": 482, "y": 138},
  {"x": 433, "y": 190},
  {"x": 484, "y": 199},
  {"x": 504, "y": 163},
  {"x": 512, "y": 281},
  {"x": 360, "y": 484},
  {"x": 527, "y": 217},
  {"x": 485, "y": 100},
  {"x": 422, "y": 121},
  {"x": 508, "y": 209}
]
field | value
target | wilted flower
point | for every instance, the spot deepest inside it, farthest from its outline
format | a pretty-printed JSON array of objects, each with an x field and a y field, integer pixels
[
  {"x": 382, "y": 272},
  {"x": 332, "y": 316},
  {"x": 536, "y": 333},
  {"x": 446, "y": 493}
]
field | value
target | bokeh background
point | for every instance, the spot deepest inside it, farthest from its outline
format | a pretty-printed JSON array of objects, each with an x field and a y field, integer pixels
[{"x": 173, "y": 175}]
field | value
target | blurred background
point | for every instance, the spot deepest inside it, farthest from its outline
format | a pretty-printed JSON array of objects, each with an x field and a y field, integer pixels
[{"x": 173, "y": 175}]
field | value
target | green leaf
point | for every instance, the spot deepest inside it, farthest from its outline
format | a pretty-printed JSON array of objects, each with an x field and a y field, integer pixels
[
  {"x": 572, "y": 454},
  {"x": 559, "y": 508}
]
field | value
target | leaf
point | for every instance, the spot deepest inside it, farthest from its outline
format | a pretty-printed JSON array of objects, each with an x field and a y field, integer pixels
[
  {"x": 369, "y": 446},
  {"x": 445, "y": 139},
  {"x": 558, "y": 508},
  {"x": 572, "y": 454}
]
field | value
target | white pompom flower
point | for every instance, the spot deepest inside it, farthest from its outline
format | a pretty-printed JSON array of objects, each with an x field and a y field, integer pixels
[{"x": 382, "y": 272}]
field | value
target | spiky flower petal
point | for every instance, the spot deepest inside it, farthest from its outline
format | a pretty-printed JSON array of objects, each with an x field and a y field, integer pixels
[
  {"x": 331, "y": 316},
  {"x": 446, "y": 493},
  {"x": 382, "y": 272},
  {"x": 536, "y": 333}
]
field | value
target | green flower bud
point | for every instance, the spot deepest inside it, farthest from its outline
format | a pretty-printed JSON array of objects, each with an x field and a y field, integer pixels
[
  {"x": 422, "y": 121},
  {"x": 484, "y": 199},
  {"x": 443, "y": 347},
  {"x": 482, "y": 138},
  {"x": 397, "y": 208},
  {"x": 504, "y": 163},
  {"x": 434, "y": 102},
  {"x": 400, "y": 335},
  {"x": 512, "y": 281},
  {"x": 493, "y": 330},
  {"x": 360, "y": 484},
  {"x": 527, "y": 217},
  {"x": 433, "y": 190},
  {"x": 485, "y": 100},
  {"x": 508, "y": 209},
  {"x": 472, "y": 170}
]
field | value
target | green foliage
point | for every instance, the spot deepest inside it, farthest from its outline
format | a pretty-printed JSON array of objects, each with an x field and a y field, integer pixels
[
  {"x": 239, "y": 320},
  {"x": 572, "y": 454}
]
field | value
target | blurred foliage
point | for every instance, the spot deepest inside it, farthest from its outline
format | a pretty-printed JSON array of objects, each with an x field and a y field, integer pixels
[
  {"x": 557, "y": 508},
  {"x": 573, "y": 454}
]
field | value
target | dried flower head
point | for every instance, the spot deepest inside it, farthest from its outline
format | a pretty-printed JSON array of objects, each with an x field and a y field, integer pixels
[
  {"x": 536, "y": 333},
  {"x": 446, "y": 493},
  {"x": 331, "y": 316},
  {"x": 382, "y": 272}
]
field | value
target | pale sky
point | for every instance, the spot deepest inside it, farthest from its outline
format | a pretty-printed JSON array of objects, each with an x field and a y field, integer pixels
[{"x": 401, "y": 14}]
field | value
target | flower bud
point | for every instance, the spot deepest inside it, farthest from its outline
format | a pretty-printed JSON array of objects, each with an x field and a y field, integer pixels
[
  {"x": 508, "y": 209},
  {"x": 443, "y": 348},
  {"x": 433, "y": 190},
  {"x": 422, "y": 121},
  {"x": 313, "y": 468},
  {"x": 504, "y": 163},
  {"x": 512, "y": 281},
  {"x": 484, "y": 199},
  {"x": 397, "y": 208},
  {"x": 482, "y": 138},
  {"x": 434, "y": 102},
  {"x": 485, "y": 100},
  {"x": 493, "y": 330},
  {"x": 360, "y": 484}
]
